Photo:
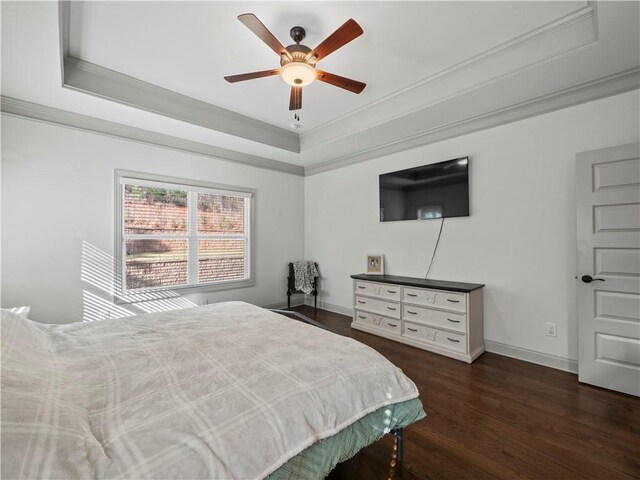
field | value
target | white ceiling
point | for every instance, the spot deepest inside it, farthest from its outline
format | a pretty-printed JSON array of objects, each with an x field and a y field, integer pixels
[
  {"x": 188, "y": 47},
  {"x": 433, "y": 69}
]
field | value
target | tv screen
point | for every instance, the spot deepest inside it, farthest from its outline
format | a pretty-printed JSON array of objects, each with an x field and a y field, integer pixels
[{"x": 430, "y": 191}]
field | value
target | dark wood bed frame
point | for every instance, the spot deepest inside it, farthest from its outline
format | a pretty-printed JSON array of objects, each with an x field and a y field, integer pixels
[{"x": 396, "y": 456}]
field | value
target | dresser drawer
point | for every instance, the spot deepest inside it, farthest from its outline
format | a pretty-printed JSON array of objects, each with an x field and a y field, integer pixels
[
  {"x": 436, "y": 318},
  {"x": 389, "y": 309},
  {"x": 392, "y": 325},
  {"x": 415, "y": 330},
  {"x": 382, "y": 290},
  {"x": 454, "y": 341},
  {"x": 433, "y": 298},
  {"x": 371, "y": 319},
  {"x": 367, "y": 318},
  {"x": 449, "y": 340}
]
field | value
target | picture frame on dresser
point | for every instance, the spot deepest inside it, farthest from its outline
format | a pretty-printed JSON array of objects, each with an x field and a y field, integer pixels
[
  {"x": 375, "y": 264},
  {"x": 443, "y": 317}
]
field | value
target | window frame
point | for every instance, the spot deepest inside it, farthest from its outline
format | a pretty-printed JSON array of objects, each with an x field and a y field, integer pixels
[{"x": 121, "y": 294}]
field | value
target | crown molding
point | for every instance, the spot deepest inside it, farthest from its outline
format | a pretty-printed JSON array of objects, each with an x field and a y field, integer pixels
[
  {"x": 34, "y": 111},
  {"x": 481, "y": 92},
  {"x": 621, "y": 82},
  {"x": 102, "y": 82},
  {"x": 64, "y": 20},
  {"x": 558, "y": 37},
  {"x": 606, "y": 86}
]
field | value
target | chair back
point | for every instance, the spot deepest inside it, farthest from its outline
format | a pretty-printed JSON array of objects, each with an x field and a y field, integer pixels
[{"x": 291, "y": 279}]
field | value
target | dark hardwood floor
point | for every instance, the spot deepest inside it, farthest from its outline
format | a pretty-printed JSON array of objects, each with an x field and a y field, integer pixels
[{"x": 499, "y": 418}]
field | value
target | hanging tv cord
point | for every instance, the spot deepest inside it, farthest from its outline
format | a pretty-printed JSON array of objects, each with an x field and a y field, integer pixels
[{"x": 434, "y": 249}]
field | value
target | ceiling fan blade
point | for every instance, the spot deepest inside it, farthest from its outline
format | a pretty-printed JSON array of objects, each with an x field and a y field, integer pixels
[
  {"x": 250, "y": 76},
  {"x": 342, "y": 82},
  {"x": 257, "y": 27},
  {"x": 295, "y": 102},
  {"x": 343, "y": 35}
]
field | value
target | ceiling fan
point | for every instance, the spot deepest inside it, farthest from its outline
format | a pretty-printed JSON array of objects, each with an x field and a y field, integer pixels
[{"x": 298, "y": 62}]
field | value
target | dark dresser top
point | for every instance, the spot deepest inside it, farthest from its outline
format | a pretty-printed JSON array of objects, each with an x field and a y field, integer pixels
[{"x": 420, "y": 282}]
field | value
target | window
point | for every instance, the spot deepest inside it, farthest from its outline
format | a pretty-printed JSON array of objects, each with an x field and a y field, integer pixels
[{"x": 180, "y": 233}]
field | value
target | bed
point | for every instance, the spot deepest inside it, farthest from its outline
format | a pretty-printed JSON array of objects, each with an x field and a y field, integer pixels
[{"x": 224, "y": 391}]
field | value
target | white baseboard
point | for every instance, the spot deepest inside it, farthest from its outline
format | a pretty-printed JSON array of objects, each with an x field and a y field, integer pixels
[
  {"x": 330, "y": 307},
  {"x": 553, "y": 361},
  {"x": 544, "y": 359},
  {"x": 283, "y": 305}
]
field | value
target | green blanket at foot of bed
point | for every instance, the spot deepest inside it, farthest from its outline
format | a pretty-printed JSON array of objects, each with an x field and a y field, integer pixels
[{"x": 315, "y": 462}]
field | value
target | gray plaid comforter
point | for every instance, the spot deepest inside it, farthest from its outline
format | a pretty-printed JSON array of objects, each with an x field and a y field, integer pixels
[{"x": 222, "y": 391}]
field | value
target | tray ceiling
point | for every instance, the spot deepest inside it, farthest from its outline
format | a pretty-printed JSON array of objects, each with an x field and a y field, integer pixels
[
  {"x": 433, "y": 70},
  {"x": 188, "y": 47}
]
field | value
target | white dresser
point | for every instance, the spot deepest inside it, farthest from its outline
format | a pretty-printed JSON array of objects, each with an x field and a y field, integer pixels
[{"x": 442, "y": 317}]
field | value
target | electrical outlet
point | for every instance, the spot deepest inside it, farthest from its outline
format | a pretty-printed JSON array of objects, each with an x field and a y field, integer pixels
[{"x": 550, "y": 329}]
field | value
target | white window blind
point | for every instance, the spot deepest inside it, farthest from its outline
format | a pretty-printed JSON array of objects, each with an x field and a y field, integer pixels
[{"x": 179, "y": 235}]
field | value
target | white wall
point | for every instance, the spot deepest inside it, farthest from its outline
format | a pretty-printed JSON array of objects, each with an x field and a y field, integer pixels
[
  {"x": 520, "y": 239},
  {"x": 57, "y": 195}
]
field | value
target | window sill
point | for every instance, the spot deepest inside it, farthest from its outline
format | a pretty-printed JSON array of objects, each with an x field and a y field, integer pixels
[{"x": 159, "y": 294}]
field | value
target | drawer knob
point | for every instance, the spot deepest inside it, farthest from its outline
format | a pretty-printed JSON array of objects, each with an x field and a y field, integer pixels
[
  {"x": 454, "y": 321},
  {"x": 412, "y": 295},
  {"x": 453, "y": 301},
  {"x": 391, "y": 308},
  {"x": 412, "y": 329},
  {"x": 453, "y": 340},
  {"x": 391, "y": 291},
  {"x": 412, "y": 313},
  {"x": 392, "y": 324},
  {"x": 360, "y": 316},
  {"x": 360, "y": 301},
  {"x": 360, "y": 286}
]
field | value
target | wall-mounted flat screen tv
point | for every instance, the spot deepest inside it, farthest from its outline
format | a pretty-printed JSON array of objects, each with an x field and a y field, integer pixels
[{"x": 431, "y": 191}]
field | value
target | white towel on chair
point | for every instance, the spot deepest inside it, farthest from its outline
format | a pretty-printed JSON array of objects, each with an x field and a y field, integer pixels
[{"x": 304, "y": 273}]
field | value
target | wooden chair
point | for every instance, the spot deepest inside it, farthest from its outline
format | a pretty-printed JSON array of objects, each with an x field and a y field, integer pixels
[{"x": 291, "y": 288}]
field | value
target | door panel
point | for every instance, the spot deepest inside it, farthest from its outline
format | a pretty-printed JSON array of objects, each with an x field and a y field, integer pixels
[
  {"x": 608, "y": 220},
  {"x": 617, "y": 261},
  {"x": 618, "y": 306},
  {"x": 618, "y": 350},
  {"x": 617, "y": 218},
  {"x": 616, "y": 174}
]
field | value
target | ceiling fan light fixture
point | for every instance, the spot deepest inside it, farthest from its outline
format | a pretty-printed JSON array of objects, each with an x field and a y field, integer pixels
[{"x": 298, "y": 74}]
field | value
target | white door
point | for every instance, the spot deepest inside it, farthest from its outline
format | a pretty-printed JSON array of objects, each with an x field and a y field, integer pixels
[{"x": 608, "y": 214}]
